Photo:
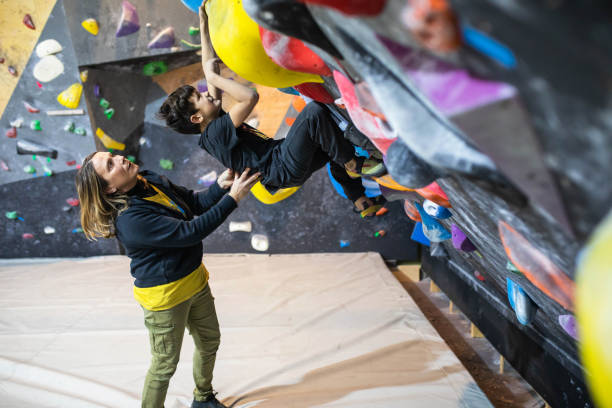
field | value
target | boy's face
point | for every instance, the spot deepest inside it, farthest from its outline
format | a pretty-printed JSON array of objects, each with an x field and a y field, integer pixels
[{"x": 207, "y": 107}]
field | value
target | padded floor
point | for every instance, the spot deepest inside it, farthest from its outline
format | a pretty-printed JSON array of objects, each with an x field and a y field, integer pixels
[{"x": 324, "y": 330}]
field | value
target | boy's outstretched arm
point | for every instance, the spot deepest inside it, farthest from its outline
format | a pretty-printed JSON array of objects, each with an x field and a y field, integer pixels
[{"x": 208, "y": 51}]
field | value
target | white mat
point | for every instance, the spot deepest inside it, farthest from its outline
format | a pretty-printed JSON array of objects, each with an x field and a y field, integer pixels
[{"x": 316, "y": 330}]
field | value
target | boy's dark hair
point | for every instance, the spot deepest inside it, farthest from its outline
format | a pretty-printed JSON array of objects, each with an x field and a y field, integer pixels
[{"x": 177, "y": 110}]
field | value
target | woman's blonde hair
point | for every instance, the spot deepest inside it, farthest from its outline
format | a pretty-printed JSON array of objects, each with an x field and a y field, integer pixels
[{"x": 99, "y": 210}]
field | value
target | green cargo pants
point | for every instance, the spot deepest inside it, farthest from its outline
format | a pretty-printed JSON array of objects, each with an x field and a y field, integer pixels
[{"x": 166, "y": 329}]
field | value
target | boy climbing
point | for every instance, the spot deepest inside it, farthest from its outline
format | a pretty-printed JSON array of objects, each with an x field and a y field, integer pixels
[{"x": 313, "y": 140}]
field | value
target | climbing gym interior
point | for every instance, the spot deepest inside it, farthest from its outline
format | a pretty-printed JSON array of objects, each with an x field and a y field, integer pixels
[{"x": 479, "y": 275}]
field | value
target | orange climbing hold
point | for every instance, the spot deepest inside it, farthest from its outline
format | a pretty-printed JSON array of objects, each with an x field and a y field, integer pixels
[
  {"x": 289, "y": 121},
  {"x": 537, "y": 267},
  {"x": 434, "y": 193},
  {"x": 298, "y": 104}
]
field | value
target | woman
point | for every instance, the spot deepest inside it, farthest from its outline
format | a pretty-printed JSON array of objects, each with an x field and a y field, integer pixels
[
  {"x": 313, "y": 140},
  {"x": 161, "y": 225}
]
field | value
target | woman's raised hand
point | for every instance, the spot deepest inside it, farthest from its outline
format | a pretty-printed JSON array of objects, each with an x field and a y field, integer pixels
[{"x": 242, "y": 184}]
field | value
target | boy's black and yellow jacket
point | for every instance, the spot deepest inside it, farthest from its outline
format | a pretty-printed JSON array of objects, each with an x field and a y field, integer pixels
[{"x": 162, "y": 231}]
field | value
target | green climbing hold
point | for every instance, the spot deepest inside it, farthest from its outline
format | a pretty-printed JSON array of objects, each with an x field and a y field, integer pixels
[
  {"x": 69, "y": 127},
  {"x": 166, "y": 164},
  {"x": 48, "y": 160},
  {"x": 29, "y": 169},
  {"x": 109, "y": 112},
  {"x": 35, "y": 125},
  {"x": 11, "y": 215},
  {"x": 194, "y": 30},
  {"x": 104, "y": 103},
  {"x": 34, "y": 157},
  {"x": 80, "y": 131},
  {"x": 510, "y": 266},
  {"x": 131, "y": 158},
  {"x": 154, "y": 68},
  {"x": 191, "y": 45}
]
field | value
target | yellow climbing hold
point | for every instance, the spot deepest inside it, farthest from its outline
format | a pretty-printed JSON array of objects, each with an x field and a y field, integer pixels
[
  {"x": 593, "y": 306},
  {"x": 83, "y": 75},
  {"x": 235, "y": 38},
  {"x": 91, "y": 25},
  {"x": 71, "y": 97},
  {"x": 387, "y": 181},
  {"x": 263, "y": 195},
  {"x": 108, "y": 141}
]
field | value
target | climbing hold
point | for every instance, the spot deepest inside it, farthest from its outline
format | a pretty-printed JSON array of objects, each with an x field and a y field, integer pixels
[
  {"x": 35, "y": 125},
  {"x": 27, "y": 21},
  {"x": 264, "y": 196},
  {"x": 108, "y": 141},
  {"x": 435, "y": 210},
  {"x": 166, "y": 164},
  {"x": 30, "y": 108},
  {"x": 489, "y": 47},
  {"x": 71, "y": 97},
  {"x": 289, "y": 91},
  {"x": 352, "y": 7},
  {"x": 194, "y": 30},
  {"x": 109, "y": 113},
  {"x": 190, "y": 45},
  {"x": 433, "y": 24},
  {"x": 380, "y": 233},
  {"x": 208, "y": 179},
  {"x": 4, "y": 166},
  {"x": 29, "y": 169},
  {"x": 73, "y": 202},
  {"x": 433, "y": 230},
  {"x": 48, "y": 68},
  {"x": 104, "y": 103},
  {"x": 27, "y": 235},
  {"x": 479, "y": 275},
  {"x": 537, "y": 267},
  {"x": 65, "y": 112},
  {"x": 97, "y": 90},
  {"x": 80, "y": 131},
  {"x": 510, "y": 266},
  {"x": 291, "y": 53},
  {"x": 12, "y": 132},
  {"x": 259, "y": 242},
  {"x": 418, "y": 234},
  {"x": 411, "y": 211},
  {"x": 131, "y": 158},
  {"x": 235, "y": 38},
  {"x": 17, "y": 122},
  {"x": 128, "y": 23},
  {"x": 521, "y": 303},
  {"x": 344, "y": 243},
  {"x": 382, "y": 211},
  {"x": 436, "y": 249},
  {"x": 315, "y": 91},
  {"x": 49, "y": 230},
  {"x": 11, "y": 215},
  {"x": 380, "y": 135},
  {"x": 388, "y": 182},
  {"x": 154, "y": 68},
  {"x": 77, "y": 230},
  {"x": 28, "y": 147},
  {"x": 91, "y": 26},
  {"x": 568, "y": 323},
  {"x": 48, "y": 47},
  {"x": 11, "y": 69},
  {"x": 460, "y": 240},
  {"x": 71, "y": 163},
  {"x": 433, "y": 192},
  {"x": 1, "y": 60},
  {"x": 407, "y": 168},
  {"x": 244, "y": 226},
  {"x": 165, "y": 39},
  {"x": 69, "y": 126},
  {"x": 84, "y": 75},
  {"x": 289, "y": 121}
]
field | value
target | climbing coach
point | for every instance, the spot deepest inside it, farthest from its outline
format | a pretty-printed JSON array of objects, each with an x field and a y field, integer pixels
[{"x": 161, "y": 225}]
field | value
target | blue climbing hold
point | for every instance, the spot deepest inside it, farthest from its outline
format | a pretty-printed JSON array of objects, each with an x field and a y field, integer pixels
[
  {"x": 433, "y": 230},
  {"x": 289, "y": 90},
  {"x": 418, "y": 235},
  {"x": 489, "y": 47},
  {"x": 521, "y": 303},
  {"x": 435, "y": 210},
  {"x": 192, "y": 5}
]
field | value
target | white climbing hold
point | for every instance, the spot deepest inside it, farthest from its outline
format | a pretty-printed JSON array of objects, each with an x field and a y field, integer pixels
[
  {"x": 48, "y": 47},
  {"x": 48, "y": 68},
  {"x": 49, "y": 230},
  {"x": 259, "y": 242},
  {"x": 244, "y": 226}
]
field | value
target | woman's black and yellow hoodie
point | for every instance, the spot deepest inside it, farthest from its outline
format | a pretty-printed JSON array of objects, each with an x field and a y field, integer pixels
[{"x": 162, "y": 231}]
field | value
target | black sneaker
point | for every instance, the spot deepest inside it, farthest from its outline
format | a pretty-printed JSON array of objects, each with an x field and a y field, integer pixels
[{"x": 211, "y": 402}]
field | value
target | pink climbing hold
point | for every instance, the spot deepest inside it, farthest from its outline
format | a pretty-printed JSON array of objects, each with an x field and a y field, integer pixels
[
  {"x": 460, "y": 240},
  {"x": 165, "y": 39},
  {"x": 11, "y": 133},
  {"x": 73, "y": 202},
  {"x": 315, "y": 91},
  {"x": 374, "y": 128},
  {"x": 128, "y": 23},
  {"x": 27, "y": 235},
  {"x": 30, "y": 108},
  {"x": 352, "y": 7},
  {"x": 291, "y": 53}
]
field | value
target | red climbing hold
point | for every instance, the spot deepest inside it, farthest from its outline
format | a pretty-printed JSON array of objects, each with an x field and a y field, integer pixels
[
  {"x": 352, "y": 7},
  {"x": 434, "y": 193},
  {"x": 30, "y": 108},
  {"x": 1, "y": 60},
  {"x": 292, "y": 54},
  {"x": 27, "y": 20},
  {"x": 71, "y": 163},
  {"x": 27, "y": 235},
  {"x": 537, "y": 267},
  {"x": 314, "y": 91},
  {"x": 12, "y": 132},
  {"x": 73, "y": 202}
]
